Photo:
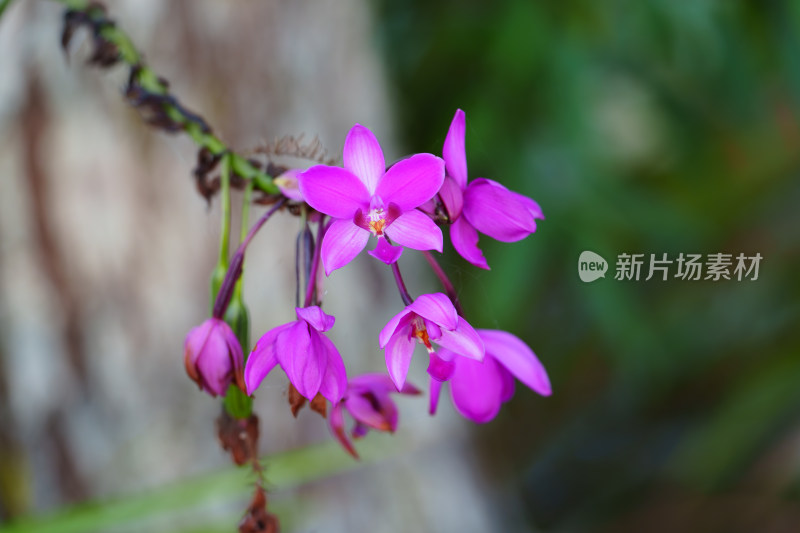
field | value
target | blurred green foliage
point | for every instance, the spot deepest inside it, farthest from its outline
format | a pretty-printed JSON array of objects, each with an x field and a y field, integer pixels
[{"x": 640, "y": 126}]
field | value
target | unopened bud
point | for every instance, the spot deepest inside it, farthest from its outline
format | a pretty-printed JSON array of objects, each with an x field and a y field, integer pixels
[{"x": 213, "y": 357}]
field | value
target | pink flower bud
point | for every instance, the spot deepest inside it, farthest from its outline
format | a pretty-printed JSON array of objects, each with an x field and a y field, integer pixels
[{"x": 213, "y": 357}]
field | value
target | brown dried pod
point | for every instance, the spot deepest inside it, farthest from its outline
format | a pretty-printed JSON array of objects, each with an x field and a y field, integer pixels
[
  {"x": 320, "y": 405},
  {"x": 239, "y": 437},
  {"x": 257, "y": 519},
  {"x": 296, "y": 400}
]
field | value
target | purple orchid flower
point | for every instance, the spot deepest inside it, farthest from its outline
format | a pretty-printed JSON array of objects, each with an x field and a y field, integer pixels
[
  {"x": 483, "y": 205},
  {"x": 311, "y": 361},
  {"x": 368, "y": 402},
  {"x": 365, "y": 199},
  {"x": 213, "y": 357},
  {"x": 288, "y": 184},
  {"x": 479, "y": 388},
  {"x": 430, "y": 318}
]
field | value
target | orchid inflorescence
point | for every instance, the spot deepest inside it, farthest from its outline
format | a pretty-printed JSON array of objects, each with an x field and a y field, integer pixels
[{"x": 404, "y": 206}]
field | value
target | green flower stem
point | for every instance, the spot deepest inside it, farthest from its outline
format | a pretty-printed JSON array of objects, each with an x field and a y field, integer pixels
[
  {"x": 235, "y": 269},
  {"x": 218, "y": 275},
  {"x": 248, "y": 194},
  {"x": 243, "y": 331},
  {"x": 237, "y": 403},
  {"x": 150, "y": 82},
  {"x": 238, "y": 297},
  {"x": 225, "y": 202}
]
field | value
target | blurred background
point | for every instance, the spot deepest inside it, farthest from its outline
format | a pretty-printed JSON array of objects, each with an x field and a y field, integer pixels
[{"x": 648, "y": 126}]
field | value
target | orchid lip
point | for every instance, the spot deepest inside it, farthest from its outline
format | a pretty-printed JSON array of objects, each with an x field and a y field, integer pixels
[
  {"x": 377, "y": 221},
  {"x": 377, "y": 218},
  {"x": 421, "y": 333}
]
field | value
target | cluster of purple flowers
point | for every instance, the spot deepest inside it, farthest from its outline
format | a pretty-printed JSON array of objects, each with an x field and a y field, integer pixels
[{"x": 404, "y": 206}]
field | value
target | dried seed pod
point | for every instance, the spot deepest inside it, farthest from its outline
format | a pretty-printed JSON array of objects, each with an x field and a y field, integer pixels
[{"x": 239, "y": 437}]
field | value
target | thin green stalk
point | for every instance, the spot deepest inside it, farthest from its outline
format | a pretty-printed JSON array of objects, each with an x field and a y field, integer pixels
[
  {"x": 218, "y": 275},
  {"x": 237, "y": 403},
  {"x": 247, "y": 196},
  {"x": 243, "y": 327},
  {"x": 225, "y": 203},
  {"x": 243, "y": 229},
  {"x": 150, "y": 82}
]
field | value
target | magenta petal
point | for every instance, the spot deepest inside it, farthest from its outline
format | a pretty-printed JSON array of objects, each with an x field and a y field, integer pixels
[
  {"x": 434, "y": 331},
  {"x": 380, "y": 383},
  {"x": 372, "y": 382},
  {"x": 336, "y": 421},
  {"x": 213, "y": 362},
  {"x": 342, "y": 243},
  {"x": 413, "y": 229},
  {"x": 389, "y": 410},
  {"x": 197, "y": 338},
  {"x": 363, "y": 156},
  {"x": 288, "y": 184},
  {"x": 512, "y": 353},
  {"x": 259, "y": 364},
  {"x": 436, "y": 388},
  {"x": 334, "y": 382},
  {"x": 495, "y": 211},
  {"x": 454, "y": 151},
  {"x": 465, "y": 241},
  {"x": 508, "y": 384},
  {"x": 477, "y": 388},
  {"x": 377, "y": 411},
  {"x": 192, "y": 348},
  {"x": 429, "y": 207},
  {"x": 386, "y": 252},
  {"x": 363, "y": 410},
  {"x": 411, "y": 182},
  {"x": 235, "y": 349},
  {"x": 464, "y": 341},
  {"x": 262, "y": 359},
  {"x": 334, "y": 191},
  {"x": 440, "y": 369},
  {"x": 399, "y": 350},
  {"x": 452, "y": 198},
  {"x": 359, "y": 430},
  {"x": 303, "y": 357},
  {"x": 437, "y": 308},
  {"x": 398, "y": 322},
  {"x": 316, "y": 317},
  {"x": 530, "y": 204},
  {"x": 409, "y": 389}
]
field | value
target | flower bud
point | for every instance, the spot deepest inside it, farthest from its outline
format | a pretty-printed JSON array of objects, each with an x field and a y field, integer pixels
[{"x": 213, "y": 357}]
